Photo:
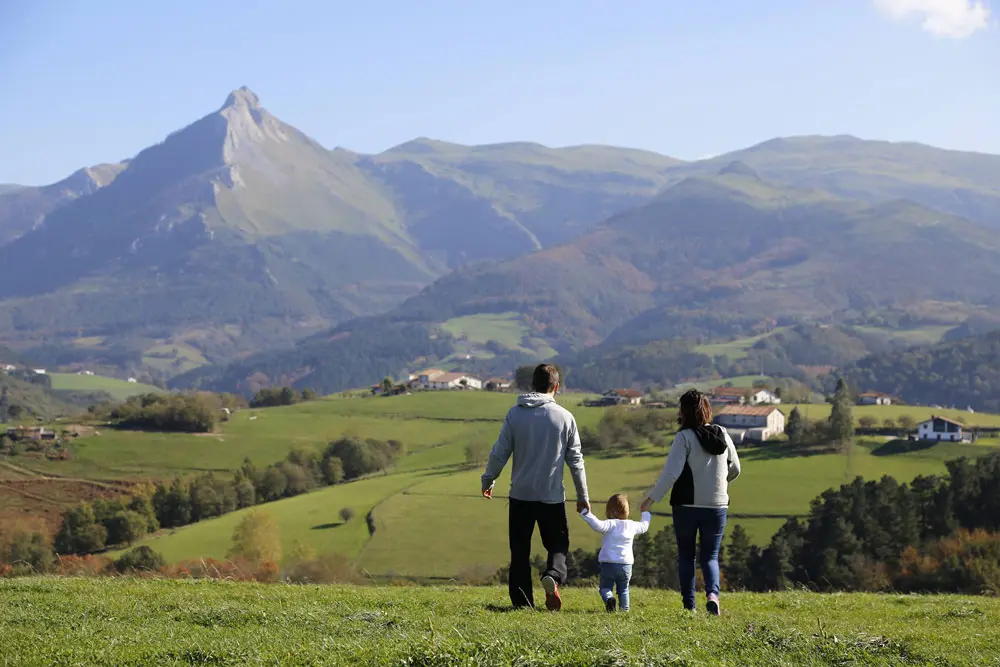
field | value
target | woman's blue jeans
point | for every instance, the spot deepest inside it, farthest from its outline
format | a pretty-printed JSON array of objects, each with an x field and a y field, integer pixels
[{"x": 690, "y": 523}]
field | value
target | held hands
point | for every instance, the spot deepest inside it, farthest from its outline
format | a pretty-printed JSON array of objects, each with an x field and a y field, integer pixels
[
  {"x": 488, "y": 493},
  {"x": 646, "y": 505},
  {"x": 581, "y": 506}
]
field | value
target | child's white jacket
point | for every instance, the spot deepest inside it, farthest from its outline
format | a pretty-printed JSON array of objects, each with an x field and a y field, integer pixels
[{"x": 616, "y": 547}]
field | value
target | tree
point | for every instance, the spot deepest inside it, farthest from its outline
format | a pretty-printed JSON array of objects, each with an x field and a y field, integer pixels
[
  {"x": 173, "y": 504},
  {"x": 346, "y": 514},
  {"x": 841, "y": 417},
  {"x": 332, "y": 469},
  {"x": 273, "y": 484},
  {"x": 889, "y": 422},
  {"x": 795, "y": 427},
  {"x": 126, "y": 527},
  {"x": 79, "y": 532},
  {"x": 737, "y": 563},
  {"x": 907, "y": 423},
  {"x": 29, "y": 552},
  {"x": 387, "y": 384},
  {"x": 257, "y": 539},
  {"x": 867, "y": 421},
  {"x": 308, "y": 394}
]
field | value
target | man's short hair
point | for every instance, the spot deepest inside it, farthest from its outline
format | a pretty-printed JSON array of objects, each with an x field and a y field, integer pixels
[{"x": 545, "y": 379}]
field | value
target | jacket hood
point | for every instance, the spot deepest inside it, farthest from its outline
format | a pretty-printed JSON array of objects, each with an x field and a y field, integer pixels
[
  {"x": 534, "y": 400},
  {"x": 712, "y": 439}
]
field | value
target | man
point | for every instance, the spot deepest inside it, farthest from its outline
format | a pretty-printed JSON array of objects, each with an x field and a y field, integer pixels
[{"x": 542, "y": 436}]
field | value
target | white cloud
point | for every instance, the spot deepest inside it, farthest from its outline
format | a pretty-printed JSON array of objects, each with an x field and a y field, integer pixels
[{"x": 957, "y": 19}]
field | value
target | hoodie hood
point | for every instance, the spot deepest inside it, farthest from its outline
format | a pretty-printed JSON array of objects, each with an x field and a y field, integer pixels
[
  {"x": 534, "y": 400},
  {"x": 712, "y": 439}
]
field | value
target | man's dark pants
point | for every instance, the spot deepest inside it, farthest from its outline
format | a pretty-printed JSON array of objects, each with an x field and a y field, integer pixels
[{"x": 552, "y": 526}]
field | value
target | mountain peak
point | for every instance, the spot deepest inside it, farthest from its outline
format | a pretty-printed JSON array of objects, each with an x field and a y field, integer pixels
[
  {"x": 738, "y": 168},
  {"x": 242, "y": 97}
]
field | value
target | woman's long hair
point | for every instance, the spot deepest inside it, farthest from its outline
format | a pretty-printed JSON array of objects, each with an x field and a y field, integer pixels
[{"x": 696, "y": 410}]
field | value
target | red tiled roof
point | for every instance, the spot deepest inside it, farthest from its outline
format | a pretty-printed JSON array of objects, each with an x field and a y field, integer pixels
[
  {"x": 731, "y": 391},
  {"x": 754, "y": 410},
  {"x": 873, "y": 394},
  {"x": 626, "y": 393}
]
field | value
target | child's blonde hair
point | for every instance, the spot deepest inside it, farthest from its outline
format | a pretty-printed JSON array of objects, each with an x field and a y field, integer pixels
[{"x": 617, "y": 507}]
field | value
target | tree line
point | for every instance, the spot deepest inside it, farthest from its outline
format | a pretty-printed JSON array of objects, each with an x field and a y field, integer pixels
[
  {"x": 91, "y": 527},
  {"x": 935, "y": 534}
]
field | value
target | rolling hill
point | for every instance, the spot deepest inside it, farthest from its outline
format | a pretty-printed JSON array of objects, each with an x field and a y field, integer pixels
[
  {"x": 964, "y": 372},
  {"x": 710, "y": 256}
]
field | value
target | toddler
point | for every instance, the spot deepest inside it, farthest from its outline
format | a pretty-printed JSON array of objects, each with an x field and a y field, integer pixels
[{"x": 616, "y": 548}]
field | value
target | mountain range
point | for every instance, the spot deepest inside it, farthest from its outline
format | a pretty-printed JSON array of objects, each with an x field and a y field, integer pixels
[{"x": 239, "y": 234}]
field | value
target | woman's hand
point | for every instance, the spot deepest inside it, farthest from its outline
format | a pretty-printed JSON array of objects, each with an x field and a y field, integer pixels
[{"x": 646, "y": 504}]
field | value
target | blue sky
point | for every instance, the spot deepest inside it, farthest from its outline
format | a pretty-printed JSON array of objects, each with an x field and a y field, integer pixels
[{"x": 84, "y": 82}]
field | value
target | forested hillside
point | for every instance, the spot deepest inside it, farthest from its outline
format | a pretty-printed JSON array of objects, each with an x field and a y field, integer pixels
[{"x": 962, "y": 373}]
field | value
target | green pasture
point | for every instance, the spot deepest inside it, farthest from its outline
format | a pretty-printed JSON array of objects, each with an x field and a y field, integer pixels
[
  {"x": 129, "y": 622},
  {"x": 119, "y": 389}
]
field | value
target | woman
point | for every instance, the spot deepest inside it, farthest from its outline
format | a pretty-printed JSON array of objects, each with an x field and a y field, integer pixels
[{"x": 701, "y": 463}]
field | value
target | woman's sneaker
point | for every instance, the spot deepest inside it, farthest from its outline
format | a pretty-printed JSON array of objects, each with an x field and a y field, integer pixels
[
  {"x": 712, "y": 606},
  {"x": 610, "y": 604},
  {"x": 553, "y": 601}
]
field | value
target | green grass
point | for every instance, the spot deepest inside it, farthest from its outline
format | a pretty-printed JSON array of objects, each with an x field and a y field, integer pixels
[
  {"x": 736, "y": 381},
  {"x": 735, "y": 349},
  {"x": 881, "y": 412},
  {"x": 429, "y": 501},
  {"x": 119, "y": 389},
  {"x": 173, "y": 359},
  {"x": 128, "y": 622},
  {"x": 508, "y": 329}
]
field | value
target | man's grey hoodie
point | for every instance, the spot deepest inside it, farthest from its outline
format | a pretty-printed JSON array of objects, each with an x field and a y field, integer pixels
[{"x": 542, "y": 436}]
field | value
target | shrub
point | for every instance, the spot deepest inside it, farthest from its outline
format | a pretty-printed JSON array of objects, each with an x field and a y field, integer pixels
[
  {"x": 966, "y": 562},
  {"x": 326, "y": 569},
  {"x": 867, "y": 421},
  {"x": 257, "y": 539},
  {"x": 346, "y": 514},
  {"x": 26, "y": 553},
  {"x": 140, "y": 559},
  {"x": 80, "y": 532}
]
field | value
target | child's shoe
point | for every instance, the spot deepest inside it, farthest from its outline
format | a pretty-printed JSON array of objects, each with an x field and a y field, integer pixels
[
  {"x": 712, "y": 606},
  {"x": 553, "y": 601}
]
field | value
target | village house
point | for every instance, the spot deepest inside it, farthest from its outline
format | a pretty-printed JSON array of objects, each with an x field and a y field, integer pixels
[
  {"x": 446, "y": 381},
  {"x": 497, "y": 384},
  {"x": 757, "y": 423},
  {"x": 874, "y": 398},
  {"x": 623, "y": 396},
  {"x": 743, "y": 395},
  {"x": 943, "y": 429}
]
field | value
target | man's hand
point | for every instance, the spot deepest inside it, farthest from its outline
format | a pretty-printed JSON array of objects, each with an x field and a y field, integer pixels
[
  {"x": 582, "y": 505},
  {"x": 646, "y": 505},
  {"x": 488, "y": 494}
]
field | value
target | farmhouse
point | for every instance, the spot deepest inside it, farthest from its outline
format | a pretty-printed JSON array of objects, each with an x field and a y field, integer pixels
[
  {"x": 446, "y": 381},
  {"x": 751, "y": 422},
  {"x": 874, "y": 398},
  {"x": 622, "y": 397},
  {"x": 742, "y": 395},
  {"x": 940, "y": 428},
  {"x": 497, "y": 384}
]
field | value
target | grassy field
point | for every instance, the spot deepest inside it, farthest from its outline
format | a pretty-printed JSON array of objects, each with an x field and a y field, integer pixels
[
  {"x": 127, "y": 622},
  {"x": 708, "y": 385},
  {"x": 429, "y": 500},
  {"x": 119, "y": 389},
  {"x": 419, "y": 504},
  {"x": 508, "y": 329}
]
